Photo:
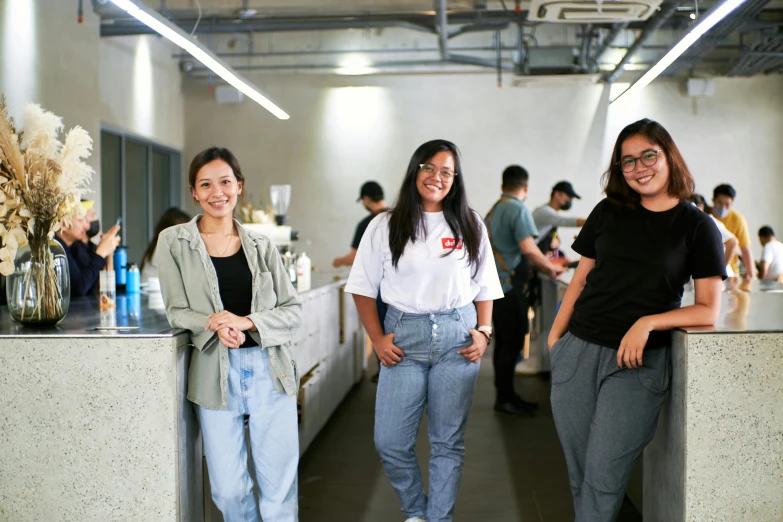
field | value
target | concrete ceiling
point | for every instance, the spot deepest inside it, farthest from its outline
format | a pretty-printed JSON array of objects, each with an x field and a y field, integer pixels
[{"x": 312, "y": 7}]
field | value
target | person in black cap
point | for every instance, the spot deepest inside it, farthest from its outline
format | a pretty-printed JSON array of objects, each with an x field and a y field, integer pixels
[
  {"x": 371, "y": 196},
  {"x": 547, "y": 217}
]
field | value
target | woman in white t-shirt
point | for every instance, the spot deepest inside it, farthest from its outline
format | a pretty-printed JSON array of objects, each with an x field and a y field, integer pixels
[{"x": 432, "y": 262}]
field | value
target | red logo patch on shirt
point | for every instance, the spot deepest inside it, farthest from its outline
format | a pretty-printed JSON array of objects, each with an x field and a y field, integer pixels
[{"x": 448, "y": 243}]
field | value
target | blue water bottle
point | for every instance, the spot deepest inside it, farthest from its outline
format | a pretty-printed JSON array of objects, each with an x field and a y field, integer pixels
[
  {"x": 121, "y": 265},
  {"x": 133, "y": 280}
]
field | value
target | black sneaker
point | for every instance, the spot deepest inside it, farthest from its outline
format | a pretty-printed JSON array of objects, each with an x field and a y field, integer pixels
[
  {"x": 512, "y": 408},
  {"x": 522, "y": 403}
]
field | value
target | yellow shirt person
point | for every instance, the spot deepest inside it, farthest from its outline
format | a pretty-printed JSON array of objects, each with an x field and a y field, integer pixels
[{"x": 723, "y": 201}]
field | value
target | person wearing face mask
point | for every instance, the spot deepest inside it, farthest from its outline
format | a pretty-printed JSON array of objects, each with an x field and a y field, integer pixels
[
  {"x": 512, "y": 234},
  {"x": 431, "y": 260},
  {"x": 85, "y": 262},
  {"x": 227, "y": 285},
  {"x": 730, "y": 243},
  {"x": 723, "y": 209},
  {"x": 611, "y": 342},
  {"x": 548, "y": 217}
]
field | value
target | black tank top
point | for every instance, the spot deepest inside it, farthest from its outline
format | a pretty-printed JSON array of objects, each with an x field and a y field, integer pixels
[{"x": 235, "y": 283}]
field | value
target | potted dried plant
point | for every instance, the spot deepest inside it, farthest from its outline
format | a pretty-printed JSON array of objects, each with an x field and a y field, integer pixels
[{"x": 41, "y": 182}]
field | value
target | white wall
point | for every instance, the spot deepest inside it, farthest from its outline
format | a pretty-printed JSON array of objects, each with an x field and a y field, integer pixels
[
  {"x": 48, "y": 58},
  {"x": 141, "y": 88},
  {"x": 340, "y": 135},
  {"x": 131, "y": 83}
]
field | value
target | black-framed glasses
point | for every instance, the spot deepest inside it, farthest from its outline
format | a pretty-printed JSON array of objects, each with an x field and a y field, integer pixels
[
  {"x": 648, "y": 159},
  {"x": 430, "y": 170}
]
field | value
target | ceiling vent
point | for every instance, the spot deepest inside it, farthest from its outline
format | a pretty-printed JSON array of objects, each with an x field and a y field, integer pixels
[{"x": 581, "y": 12}]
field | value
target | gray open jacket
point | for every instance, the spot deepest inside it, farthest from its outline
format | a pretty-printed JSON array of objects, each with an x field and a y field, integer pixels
[{"x": 190, "y": 290}]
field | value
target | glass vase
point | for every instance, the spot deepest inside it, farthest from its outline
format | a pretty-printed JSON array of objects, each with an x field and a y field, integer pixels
[{"x": 39, "y": 289}]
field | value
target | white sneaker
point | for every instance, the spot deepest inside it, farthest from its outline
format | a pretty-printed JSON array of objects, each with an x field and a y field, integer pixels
[{"x": 415, "y": 519}]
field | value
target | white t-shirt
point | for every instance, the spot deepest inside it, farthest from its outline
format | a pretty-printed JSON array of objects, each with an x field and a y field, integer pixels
[
  {"x": 773, "y": 255},
  {"x": 546, "y": 218},
  {"x": 425, "y": 280}
]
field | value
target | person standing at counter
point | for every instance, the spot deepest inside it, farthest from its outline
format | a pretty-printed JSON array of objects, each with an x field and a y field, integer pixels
[
  {"x": 84, "y": 262},
  {"x": 723, "y": 209},
  {"x": 371, "y": 196},
  {"x": 729, "y": 240},
  {"x": 611, "y": 340},
  {"x": 228, "y": 286},
  {"x": 512, "y": 234},
  {"x": 548, "y": 217},
  {"x": 431, "y": 260},
  {"x": 771, "y": 265}
]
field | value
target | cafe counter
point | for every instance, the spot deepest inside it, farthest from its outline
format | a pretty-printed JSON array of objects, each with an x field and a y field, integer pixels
[
  {"x": 95, "y": 423},
  {"x": 718, "y": 451}
]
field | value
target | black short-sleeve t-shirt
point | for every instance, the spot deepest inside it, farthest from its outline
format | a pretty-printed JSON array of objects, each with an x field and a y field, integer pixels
[
  {"x": 643, "y": 260},
  {"x": 360, "y": 229}
]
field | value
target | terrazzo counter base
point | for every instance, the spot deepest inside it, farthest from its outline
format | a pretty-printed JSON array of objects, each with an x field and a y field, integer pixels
[
  {"x": 94, "y": 425},
  {"x": 717, "y": 455}
]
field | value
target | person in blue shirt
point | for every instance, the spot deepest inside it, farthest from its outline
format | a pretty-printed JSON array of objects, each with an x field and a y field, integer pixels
[{"x": 512, "y": 234}]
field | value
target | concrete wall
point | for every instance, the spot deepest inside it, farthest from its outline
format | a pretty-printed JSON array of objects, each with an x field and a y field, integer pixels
[
  {"x": 141, "y": 88},
  {"x": 129, "y": 83},
  {"x": 344, "y": 131},
  {"x": 48, "y": 58}
]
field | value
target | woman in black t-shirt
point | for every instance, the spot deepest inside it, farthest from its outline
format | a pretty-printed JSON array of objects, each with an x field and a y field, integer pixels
[{"x": 611, "y": 339}]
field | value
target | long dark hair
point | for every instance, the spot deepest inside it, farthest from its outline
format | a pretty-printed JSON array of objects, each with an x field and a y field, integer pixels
[
  {"x": 681, "y": 184},
  {"x": 171, "y": 217},
  {"x": 407, "y": 217}
]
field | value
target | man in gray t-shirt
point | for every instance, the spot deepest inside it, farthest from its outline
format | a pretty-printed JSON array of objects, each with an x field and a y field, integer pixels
[
  {"x": 548, "y": 217},
  {"x": 512, "y": 234}
]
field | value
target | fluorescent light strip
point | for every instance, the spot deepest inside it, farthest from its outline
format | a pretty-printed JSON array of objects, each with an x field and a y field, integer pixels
[
  {"x": 177, "y": 36},
  {"x": 709, "y": 21}
]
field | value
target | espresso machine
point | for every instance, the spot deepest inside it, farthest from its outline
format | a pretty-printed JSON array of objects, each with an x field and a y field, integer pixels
[{"x": 281, "y": 234}]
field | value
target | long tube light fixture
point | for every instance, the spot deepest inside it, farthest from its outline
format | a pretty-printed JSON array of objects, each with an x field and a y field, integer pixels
[
  {"x": 710, "y": 20},
  {"x": 144, "y": 14}
]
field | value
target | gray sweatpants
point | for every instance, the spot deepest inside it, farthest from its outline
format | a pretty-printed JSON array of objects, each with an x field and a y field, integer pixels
[{"x": 605, "y": 417}]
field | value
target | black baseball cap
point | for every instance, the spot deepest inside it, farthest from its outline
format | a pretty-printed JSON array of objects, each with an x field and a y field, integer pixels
[
  {"x": 564, "y": 186},
  {"x": 372, "y": 190}
]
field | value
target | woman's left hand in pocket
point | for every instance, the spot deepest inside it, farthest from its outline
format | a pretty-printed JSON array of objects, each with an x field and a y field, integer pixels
[
  {"x": 475, "y": 351},
  {"x": 632, "y": 345},
  {"x": 226, "y": 319}
]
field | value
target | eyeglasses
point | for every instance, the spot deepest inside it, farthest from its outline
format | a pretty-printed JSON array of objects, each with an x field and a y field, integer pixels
[
  {"x": 648, "y": 159},
  {"x": 430, "y": 170}
]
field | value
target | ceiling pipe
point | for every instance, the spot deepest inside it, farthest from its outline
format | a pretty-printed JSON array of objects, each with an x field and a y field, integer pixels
[
  {"x": 129, "y": 29},
  {"x": 587, "y": 37},
  {"x": 477, "y": 28},
  {"x": 606, "y": 44},
  {"x": 653, "y": 24},
  {"x": 442, "y": 29}
]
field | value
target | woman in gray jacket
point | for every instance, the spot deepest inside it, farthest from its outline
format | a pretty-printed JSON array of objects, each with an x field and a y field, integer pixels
[{"x": 228, "y": 286}]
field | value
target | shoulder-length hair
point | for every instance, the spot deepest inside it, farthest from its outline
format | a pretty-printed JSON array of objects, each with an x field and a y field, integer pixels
[
  {"x": 407, "y": 217},
  {"x": 681, "y": 184}
]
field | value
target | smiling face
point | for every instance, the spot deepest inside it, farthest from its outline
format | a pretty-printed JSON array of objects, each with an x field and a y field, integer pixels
[
  {"x": 217, "y": 189},
  {"x": 433, "y": 186},
  {"x": 648, "y": 181}
]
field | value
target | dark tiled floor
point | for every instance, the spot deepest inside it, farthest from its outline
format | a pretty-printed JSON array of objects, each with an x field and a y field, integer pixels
[{"x": 514, "y": 467}]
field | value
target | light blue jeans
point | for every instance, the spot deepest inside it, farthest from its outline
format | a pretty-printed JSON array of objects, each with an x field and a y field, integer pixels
[
  {"x": 432, "y": 373},
  {"x": 274, "y": 443}
]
